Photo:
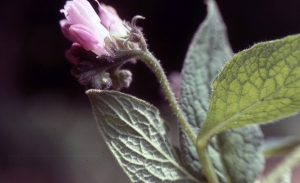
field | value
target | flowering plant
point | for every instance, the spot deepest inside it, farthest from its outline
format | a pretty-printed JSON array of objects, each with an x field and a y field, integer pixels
[{"x": 220, "y": 139}]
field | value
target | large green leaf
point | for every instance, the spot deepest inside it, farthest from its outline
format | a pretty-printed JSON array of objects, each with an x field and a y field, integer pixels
[
  {"x": 257, "y": 85},
  {"x": 206, "y": 56},
  {"x": 135, "y": 133},
  {"x": 207, "y": 53}
]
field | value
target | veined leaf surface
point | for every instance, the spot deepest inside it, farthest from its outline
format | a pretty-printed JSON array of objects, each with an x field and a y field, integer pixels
[
  {"x": 257, "y": 85},
  {"x": 206, "y": 56},
  {"x": 207, "y": 53},
  {"x": 135, "y": 134}
]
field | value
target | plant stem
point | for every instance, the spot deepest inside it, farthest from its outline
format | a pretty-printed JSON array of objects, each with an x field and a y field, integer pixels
[
  {"x": 291, "y": 161},
  {"x": 156, "y": 68},
  {"x": 206, "y": 163}
]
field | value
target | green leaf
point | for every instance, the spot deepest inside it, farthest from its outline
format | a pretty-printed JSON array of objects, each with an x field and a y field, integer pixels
[
  {"x": 242, "y": 153},
  {"x": 207, "y": 53},
  {"x": 206, "y": 56},
  {"x": 135, "y": 134},
  {"x": 257, "y": 85}
]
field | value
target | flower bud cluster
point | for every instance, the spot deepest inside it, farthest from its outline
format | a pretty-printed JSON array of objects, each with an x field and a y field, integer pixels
[{"x": 98, "y": 44}]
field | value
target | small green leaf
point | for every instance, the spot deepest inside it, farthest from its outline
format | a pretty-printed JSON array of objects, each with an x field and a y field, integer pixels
[
  {"x": 257, "y": 85},
  {"x": 135, "y": 134}
]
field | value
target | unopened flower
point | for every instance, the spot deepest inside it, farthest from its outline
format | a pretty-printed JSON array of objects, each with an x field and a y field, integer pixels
[
  {"x": 121, "y": 79},
  {"x": 83, "y": 25},
  {"x": 102, "y": 44}
]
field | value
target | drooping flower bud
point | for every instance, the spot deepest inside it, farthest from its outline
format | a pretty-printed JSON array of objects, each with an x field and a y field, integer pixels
[
  {"x": 100, "y": 46},
  {"x": 121, "y": 79},
  {"x": 101, "y": 81},
  {"x": 83, "y": 25}
]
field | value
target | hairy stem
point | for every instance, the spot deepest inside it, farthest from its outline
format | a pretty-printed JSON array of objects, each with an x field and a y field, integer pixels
[
  {"x": 155, "y": 66},
  {"x": 206, "y": 163}
]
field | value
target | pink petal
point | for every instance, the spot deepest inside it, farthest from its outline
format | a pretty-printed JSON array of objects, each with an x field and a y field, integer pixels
[
  {"x": 84, "y": 36},
  {"x": 111, "y": 20},
  {"x": 73, "y": 15},
  {"x": 86, "y": 10},
  {"x": 64, "y": 24}
]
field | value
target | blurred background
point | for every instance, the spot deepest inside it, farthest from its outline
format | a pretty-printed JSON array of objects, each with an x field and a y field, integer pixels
[{"x": 47, "y": 130}]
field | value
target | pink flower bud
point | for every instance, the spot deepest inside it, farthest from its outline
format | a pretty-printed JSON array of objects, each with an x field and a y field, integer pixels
[
  {"x": 82, "y": 25},
  {"x": 111, "y": 20}
]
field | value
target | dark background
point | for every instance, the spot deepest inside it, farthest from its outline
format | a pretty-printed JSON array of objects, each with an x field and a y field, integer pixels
[{"x": 47, "y": 131}]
